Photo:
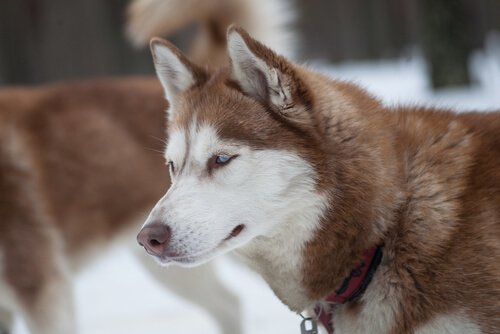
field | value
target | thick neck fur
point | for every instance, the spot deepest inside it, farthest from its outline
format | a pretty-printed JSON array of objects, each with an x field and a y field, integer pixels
[{"x": 362, "y": 178}]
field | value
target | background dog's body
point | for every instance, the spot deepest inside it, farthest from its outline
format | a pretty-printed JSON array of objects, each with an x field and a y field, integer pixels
[{"x": 301, "y": 174}]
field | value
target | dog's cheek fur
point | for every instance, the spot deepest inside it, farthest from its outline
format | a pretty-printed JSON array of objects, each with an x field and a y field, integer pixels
[{"x": 290, "y": 224}]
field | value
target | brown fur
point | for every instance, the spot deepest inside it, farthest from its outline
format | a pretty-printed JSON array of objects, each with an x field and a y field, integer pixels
[
  {"x": 424, "y": 183},
  {"x": 66, "y": 152}
]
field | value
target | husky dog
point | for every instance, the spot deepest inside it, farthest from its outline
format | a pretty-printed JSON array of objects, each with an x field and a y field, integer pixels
[
  {"x": 77, "y": 171},
  {"x": 376, "y": 219}
]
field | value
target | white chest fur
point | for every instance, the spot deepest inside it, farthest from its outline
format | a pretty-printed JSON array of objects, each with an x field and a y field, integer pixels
[
  {"x": 278, "y": 256},
  {"x": 380, "y": 303},
  {"x": 449, "y": 324}
]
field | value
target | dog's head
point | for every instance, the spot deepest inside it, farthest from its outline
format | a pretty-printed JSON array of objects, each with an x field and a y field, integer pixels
[{"x": 243, "y": 149}]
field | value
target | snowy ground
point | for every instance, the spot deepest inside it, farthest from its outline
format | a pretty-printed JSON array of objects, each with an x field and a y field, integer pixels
[
  {"x": 404, "y": 81},
  {"x": 116, "y": 296}
]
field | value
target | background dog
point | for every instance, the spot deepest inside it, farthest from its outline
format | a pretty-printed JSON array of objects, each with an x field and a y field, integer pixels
[
  {"x": 302, "y": 175},
  {"x": 77, "y": 173}
]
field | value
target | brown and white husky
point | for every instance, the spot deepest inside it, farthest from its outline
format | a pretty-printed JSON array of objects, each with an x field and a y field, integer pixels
[
  {"x": 77, "y": 172},
  {"x": 312, "y": 180}
]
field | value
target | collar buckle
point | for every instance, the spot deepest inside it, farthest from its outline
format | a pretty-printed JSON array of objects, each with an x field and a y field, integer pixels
[{"x": 308, "y": 326}]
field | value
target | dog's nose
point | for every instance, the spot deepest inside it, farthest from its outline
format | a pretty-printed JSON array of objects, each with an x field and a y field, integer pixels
[{"x": 155, "y": 238}]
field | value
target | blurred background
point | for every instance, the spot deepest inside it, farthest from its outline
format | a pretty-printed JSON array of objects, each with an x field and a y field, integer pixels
[
  {"x": 43, "y": 41},
  {"x": 437, "y": 52}
]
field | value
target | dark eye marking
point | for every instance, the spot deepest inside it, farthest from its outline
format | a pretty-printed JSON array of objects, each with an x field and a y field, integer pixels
[{"x": 171, "y": 166}]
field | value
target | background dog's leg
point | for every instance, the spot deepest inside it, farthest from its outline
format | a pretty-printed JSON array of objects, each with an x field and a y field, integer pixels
[
  {"x": 39, "y": 280},
  {"x": 6, "y": 321},
  {"x": 52, "y": 312},
  {"x": 6, "y": 305},
  {"x": 201, "y": 286},
  {"x": 33, "y": 264}
]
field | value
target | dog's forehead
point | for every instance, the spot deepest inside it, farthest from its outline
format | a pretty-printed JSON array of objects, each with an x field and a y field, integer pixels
[
  {"x": 177, "y": 145},
  {"x": 234, "y": 118},
  {"x": 201, "y": 115},
  {"x": 232, "y": 115},
  {"x": 195, "y": 143}
]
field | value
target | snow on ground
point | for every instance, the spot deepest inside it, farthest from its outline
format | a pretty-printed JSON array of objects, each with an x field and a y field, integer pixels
[
  {"x": 404, "y": 81},
  {"x": 116, "y": 296}
]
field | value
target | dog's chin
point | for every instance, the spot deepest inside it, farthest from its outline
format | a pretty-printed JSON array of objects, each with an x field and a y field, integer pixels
[{"x": 189, "y": 261}]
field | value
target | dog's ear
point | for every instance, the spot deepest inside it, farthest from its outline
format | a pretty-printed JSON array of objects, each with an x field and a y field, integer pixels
[
  {"x": 262, "y": 74},
  {"x": 176, "y": 73}
]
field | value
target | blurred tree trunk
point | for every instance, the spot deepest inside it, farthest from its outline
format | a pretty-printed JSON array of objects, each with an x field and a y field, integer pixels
[
  {"x": 48, "y": 40},
  {"x": 445, "y": 38},
  {"x": 18, "y": 36}
]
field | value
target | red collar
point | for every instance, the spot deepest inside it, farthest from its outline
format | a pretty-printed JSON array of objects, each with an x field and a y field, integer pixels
[{"x": 352, "y": 287}]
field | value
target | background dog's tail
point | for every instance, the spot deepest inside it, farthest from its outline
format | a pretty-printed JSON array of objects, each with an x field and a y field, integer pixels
[{"x": 267, "y": 20}]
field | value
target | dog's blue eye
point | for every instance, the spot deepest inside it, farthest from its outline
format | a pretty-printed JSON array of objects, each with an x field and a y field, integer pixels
[{"x": 222, "y": 159}]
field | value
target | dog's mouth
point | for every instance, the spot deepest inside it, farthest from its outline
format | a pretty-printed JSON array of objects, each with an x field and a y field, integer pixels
[
  {"x": 235, "y": 232},
  {"x": 192, "y": 258}
]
